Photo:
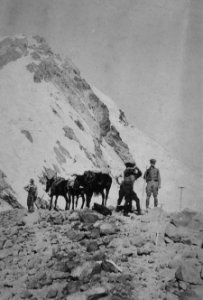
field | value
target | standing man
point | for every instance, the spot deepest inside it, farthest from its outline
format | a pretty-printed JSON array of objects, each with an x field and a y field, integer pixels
[
  {"x": 153, "y": 179},
  {"x": 131, "y": 174},
  {"x": 32, "y": 195}
]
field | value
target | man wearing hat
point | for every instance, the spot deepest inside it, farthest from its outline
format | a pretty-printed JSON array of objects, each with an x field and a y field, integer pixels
[
  {"x": 131, "y": 174},
  {"x": 32, "y": 195},
  {"x": 153, "y": 179}
]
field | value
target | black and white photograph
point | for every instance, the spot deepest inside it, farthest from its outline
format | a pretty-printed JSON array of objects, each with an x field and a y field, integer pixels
[{"x": 101, "y": 149}]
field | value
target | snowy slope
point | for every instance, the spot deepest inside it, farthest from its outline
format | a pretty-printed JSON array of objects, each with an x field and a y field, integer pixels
[
  {"x": 173, "y": 172},
  {"x": 41, "y": 127},
  {"x": 52, "y": 119}
]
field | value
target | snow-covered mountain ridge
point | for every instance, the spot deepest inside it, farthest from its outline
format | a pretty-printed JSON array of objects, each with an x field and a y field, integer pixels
[{"x": 52, "y": 119}]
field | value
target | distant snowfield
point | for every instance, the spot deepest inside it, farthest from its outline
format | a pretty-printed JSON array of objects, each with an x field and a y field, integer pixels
[{"x": 33, "y": 116}]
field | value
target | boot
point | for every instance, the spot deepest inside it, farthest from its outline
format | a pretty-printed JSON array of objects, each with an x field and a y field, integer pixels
[{"x": 155, "y": 202}]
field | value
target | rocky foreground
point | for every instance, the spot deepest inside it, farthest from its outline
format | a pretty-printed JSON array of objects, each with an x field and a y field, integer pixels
[{"x": 83, "y": 255}]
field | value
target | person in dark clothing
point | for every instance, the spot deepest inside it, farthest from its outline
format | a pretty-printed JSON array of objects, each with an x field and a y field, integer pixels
[
  {"x": 153, "y": 179},
  {"x": 31, "y": 188},
  {"x": 131, "y": 174}
]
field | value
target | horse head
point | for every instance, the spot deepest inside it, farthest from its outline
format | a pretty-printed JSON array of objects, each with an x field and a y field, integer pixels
[{"x": 79, "y": 181}]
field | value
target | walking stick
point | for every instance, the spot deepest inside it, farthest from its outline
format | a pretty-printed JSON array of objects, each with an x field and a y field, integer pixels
[
  {"x": 181, "y": 196},
  {"x": 143, "y": 188}
]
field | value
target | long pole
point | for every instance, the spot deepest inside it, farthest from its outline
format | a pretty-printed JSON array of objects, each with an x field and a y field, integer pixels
[
  {"x": 143, "y": 188},
  {"x": 181, "y": 197}
]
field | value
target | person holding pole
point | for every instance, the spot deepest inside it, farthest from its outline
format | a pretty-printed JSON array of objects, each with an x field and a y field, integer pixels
[
  {"x": 153, "y": 179},
  {"x": 131, "y": 174}
]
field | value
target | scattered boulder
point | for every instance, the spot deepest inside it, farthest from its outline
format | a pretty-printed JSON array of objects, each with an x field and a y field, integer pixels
[
  {"x": 183, "y": 218},
  {"x": 189, "y": 295},
  {"x": 75, "y": 236},
  {"x": 55, "y": 218},
  {"x": 74, "y": 216},
  {"x": 52, "y": 293},
  {"x": 92, "y": 246},
  {"x": 175, "y": 262},
  {"x": 88, "y": 217},
  {"x": 102, "y": 209},
  {"x": 138, "y": 241},
  {"x": 96, "y": 293},
  {"x": 26, "y": 294},
  {"x": 189, "y": 271},
  {"x": 179, "y": 234},
  {"x": 99, "y": 255},
  {"x": 91, "y": 294},
  {"x": 147, "y": 249},
  {"x": 110, "y": 266},
  {"x": 82, "y": 271},
  {"x": 107, "y": 228},
  {"x": 77, "y": 296}
]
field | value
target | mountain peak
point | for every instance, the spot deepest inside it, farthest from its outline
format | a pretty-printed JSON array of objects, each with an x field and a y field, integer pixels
[{"x": 51, "y": 118}]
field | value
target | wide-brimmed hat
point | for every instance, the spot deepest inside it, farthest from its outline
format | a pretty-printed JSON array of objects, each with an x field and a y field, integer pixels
[{"x": 130, "y": 164}]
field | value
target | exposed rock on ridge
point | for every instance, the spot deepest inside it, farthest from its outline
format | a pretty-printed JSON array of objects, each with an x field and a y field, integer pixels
[{"x": 76, "y": 110}]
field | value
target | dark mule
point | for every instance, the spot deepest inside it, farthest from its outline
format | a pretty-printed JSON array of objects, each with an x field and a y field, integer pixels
[
  {"x": 77, "y": 191},
  {"x": 95, "y": 183},
  {"x": 58, "y": 187}
]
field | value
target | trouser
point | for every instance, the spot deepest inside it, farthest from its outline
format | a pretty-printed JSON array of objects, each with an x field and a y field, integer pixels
[
  {"x": 129, "y": 195},
  {"x": 152, "y": 188},
  {"x": 30, "y": 203}
]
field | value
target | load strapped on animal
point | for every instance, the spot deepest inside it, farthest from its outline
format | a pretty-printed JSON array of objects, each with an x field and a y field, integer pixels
[{"x": 83, "y": 186}]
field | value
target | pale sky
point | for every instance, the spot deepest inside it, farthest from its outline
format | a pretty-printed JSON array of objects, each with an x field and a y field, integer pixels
[{"x": 145, "y": 54}]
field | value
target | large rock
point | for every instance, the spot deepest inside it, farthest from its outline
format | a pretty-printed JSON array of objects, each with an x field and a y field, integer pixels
[
  {"x": 77, "y": 296},
  {"x": 189, "y": 271},
  {"x": 183, "y": 218},
  {"x": 83, "y": 271},
  {"x": 74, "y": 216},
  {"x": 88, "y": 217},
  {"x": 190, "y": 295},
  {"x": 91, "y": 294},
  {"x": 147, "y": 249},
  {"x": 198, "y": 290},
  {"x": 92, "y": 246},
  {"x": 182, "y": 235},
  {"x": 75, "y": 236},
  {"x": 55, "y": 218},
  {"x": 190, "y": 219},
  {"x": 138, "y": 241},
  {"x": 107, "y": 228}
]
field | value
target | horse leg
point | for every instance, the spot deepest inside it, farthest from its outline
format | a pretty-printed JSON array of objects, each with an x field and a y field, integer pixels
[
  {"x": 67, "y": 198},
  {"x": 107, "y": 194},
  {"x": 73, "y": 201},
  {"x": 77, "y": 197},
  {"x": 51, "y": 200},
  {"x": 88, "y": 199},
  {"x": 103, "y": 198},
  {"x": 83, "y": 200},
  {"x": 55, "y": 203}
]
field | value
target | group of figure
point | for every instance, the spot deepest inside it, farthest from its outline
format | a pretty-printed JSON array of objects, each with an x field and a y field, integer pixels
[
  {"x": 131, "y": 174},
  {"x": 90, "y": 182}
]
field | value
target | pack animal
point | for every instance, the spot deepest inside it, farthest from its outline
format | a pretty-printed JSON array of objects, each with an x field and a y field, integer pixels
[
  {"x": 76, "y": 191},
  {"x": 95, "y": 183},
  {"x": 58, "y": 187}
]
